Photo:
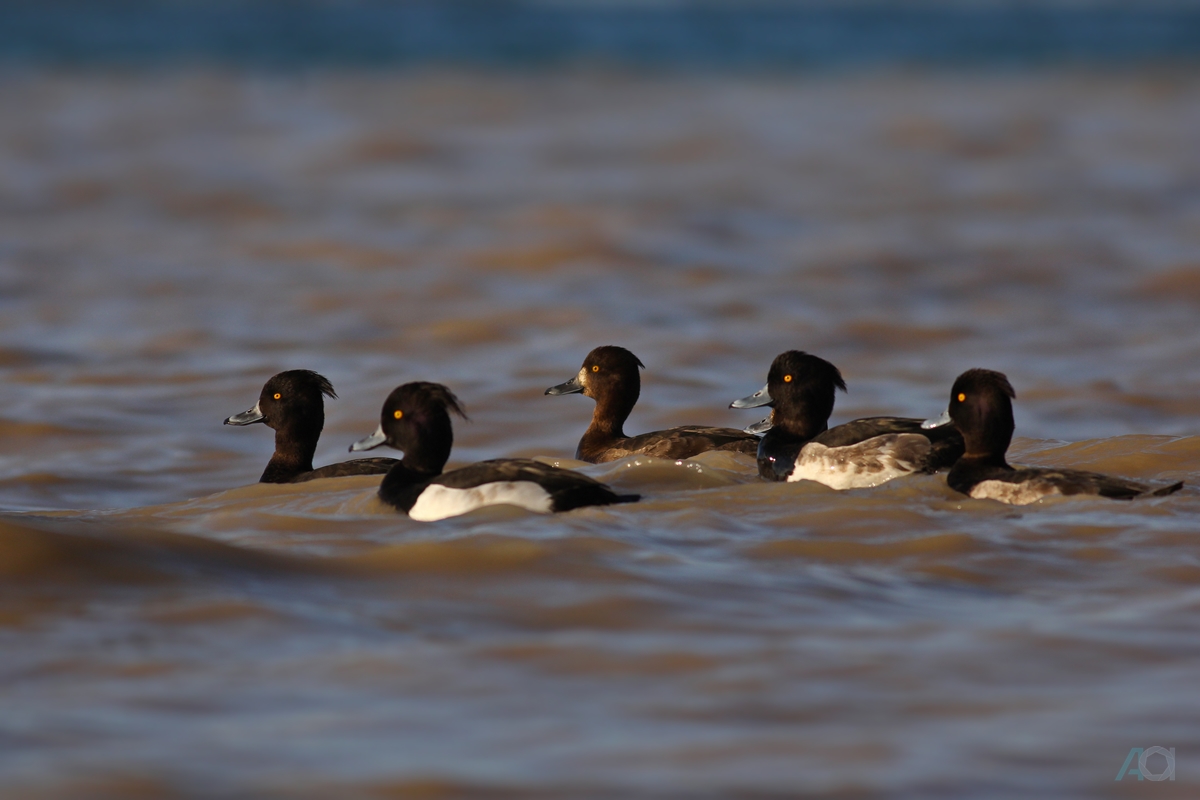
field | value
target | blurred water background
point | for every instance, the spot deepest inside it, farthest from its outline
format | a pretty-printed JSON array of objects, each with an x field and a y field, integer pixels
[{"x": 194, "y": 196}]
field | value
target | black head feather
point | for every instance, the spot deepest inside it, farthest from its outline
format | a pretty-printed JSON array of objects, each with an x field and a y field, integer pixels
[
  {"x": 426, "y": 394},
  {"x": 292, "y": 399},
  {"x": 416, "y": 419},
  {"x": 802, "y": 388},
  {"x": 981, "y": 408},
  {"x": 979, "y": 380},
  {"x": 290, "y": 403}
]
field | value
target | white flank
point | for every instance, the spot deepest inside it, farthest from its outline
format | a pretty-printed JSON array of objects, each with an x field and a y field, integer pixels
[
  {"x": 439, "y": 502},
  {"x": 1017, "y": 494},
  {"x": 859, "y": 466}
]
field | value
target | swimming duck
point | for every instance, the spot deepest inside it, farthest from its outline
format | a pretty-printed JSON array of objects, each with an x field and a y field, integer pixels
[
  {"x": 798, "y": 443},
  {"x": 981, "y": 409},
  {"x": 609, "y": 376},
  {"x": 416, "y": 420},
  {"x": 291, "y": 404}
]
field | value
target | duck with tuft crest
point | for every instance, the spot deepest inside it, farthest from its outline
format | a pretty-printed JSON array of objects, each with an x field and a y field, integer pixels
[
  {"x": 981, "y": 409},
  {"x": 798, "y": 443},
  {"x": 291, "y": 403},
  {"x": 416, "y": 420}
]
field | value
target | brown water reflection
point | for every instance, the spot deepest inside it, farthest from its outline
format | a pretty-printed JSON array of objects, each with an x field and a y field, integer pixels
[{"x": 168, "y": 242}]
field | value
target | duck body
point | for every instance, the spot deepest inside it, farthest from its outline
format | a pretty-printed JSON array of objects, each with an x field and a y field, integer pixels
[
  {"x": 859, "y": 454},
  {"x": 610, "y": 376},
  {"x": 416, "y": 419},
  {"x": 342, "y": 469},
  {"x": 684, "y": 441},
  {"x": 981, "y": 409},
  {"x": 1024, "y": 485},
  {"x": 522, "y": 482},
  {"x": 798, "y": 444},
  {"x": 291, "y": 403}
]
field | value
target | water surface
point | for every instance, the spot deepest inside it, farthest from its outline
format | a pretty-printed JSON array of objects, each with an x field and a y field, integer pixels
[{"x": 168, "y": 241}]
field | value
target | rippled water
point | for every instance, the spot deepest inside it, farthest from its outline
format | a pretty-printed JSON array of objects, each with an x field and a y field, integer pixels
[{"x": 167, "y": 242}]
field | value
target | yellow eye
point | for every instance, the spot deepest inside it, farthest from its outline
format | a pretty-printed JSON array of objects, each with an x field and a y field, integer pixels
[
  {"x": 595, "y": 368},
  {"x": 961, "y": 397},
  {"x": 278, "y": 395},
  {"x": 398, "y": 414},
  {"x": 787, "y": 378}
]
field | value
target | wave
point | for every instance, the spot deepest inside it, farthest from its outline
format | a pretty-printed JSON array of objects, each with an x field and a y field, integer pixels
[
  {"x": 79, "y": 552},
  {"x": 337, "y": 528}
]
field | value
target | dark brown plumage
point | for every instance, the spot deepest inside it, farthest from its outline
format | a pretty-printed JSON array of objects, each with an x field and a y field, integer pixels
[{"x": 609, "y": 376}]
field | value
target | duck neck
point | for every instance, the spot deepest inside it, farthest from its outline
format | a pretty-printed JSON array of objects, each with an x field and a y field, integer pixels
[
  {"x": 427, "y": 457},
  {"x": 987, "y": 428},
  {"x": 796, "y": 422},
  {"x": 294, "y": 450},
  {"x": 608, "y": 419},
  {"x": 803, "y": 413},
  {"x": 784, "y": 436},
  {"x": 984, "y": 460},
  {"x": 986, "y": 445},
  {"x": 402, "y": 485}
]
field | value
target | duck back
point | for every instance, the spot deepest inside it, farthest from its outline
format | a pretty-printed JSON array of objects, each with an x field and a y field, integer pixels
[
  {"x": 1021, "y": 486},
  {"x": 674, "y": 443}
]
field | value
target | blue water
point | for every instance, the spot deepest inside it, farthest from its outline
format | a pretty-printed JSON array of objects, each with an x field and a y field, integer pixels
[{"x": 681, "y": 35}]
